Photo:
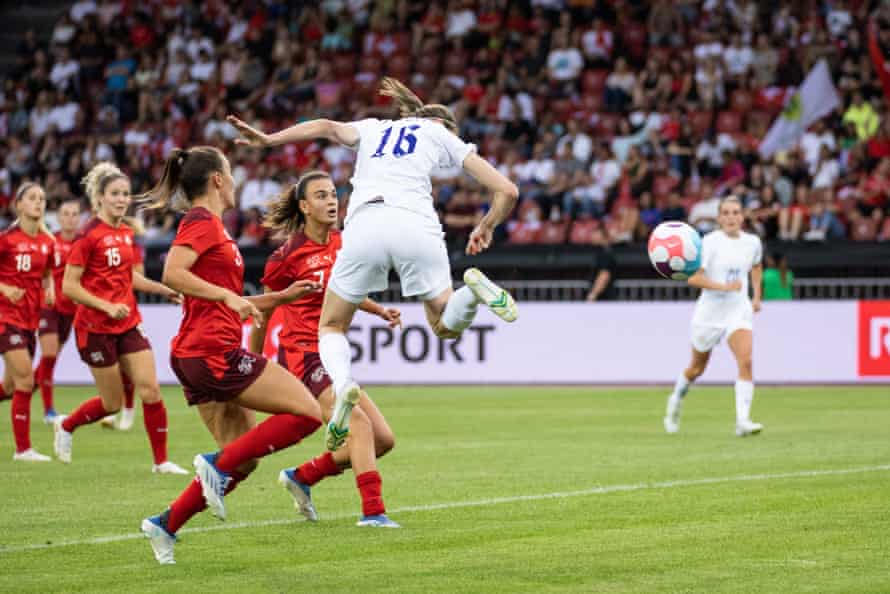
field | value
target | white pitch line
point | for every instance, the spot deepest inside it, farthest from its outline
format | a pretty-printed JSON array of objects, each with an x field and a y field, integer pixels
[{"x": 478, "y": 503}]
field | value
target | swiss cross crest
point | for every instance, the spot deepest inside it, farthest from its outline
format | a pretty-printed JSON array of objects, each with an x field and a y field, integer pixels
[
  {"x": 44, "y": 249},
  {"x": 127, "y": 240},
  {"x": 245, "y": 365},
  {"x": 314, "y": 261},
  {"x": 318, "y": 374}
]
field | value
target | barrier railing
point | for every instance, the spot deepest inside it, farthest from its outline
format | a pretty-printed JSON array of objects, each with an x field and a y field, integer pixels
[{"x": 655, "y": 290}]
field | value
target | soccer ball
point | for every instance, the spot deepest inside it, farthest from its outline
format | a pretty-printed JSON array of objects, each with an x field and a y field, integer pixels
[{"x": 675, "y": 250}]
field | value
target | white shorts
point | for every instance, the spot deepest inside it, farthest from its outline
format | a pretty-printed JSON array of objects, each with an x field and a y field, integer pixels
[
  {"x": 706, "y": 337},
  {"x": 379, "y": 238}
]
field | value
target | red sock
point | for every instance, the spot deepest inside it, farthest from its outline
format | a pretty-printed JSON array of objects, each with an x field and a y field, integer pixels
[
  {"x": 318, "y": 468},
  {"x": 88, "y": 412},
  {"x": 370, "y": 485},
  {"x": 275, "y": 433},
  {"x": 191, "y": 502},
  {"x": 43, "y": 375},
  {"x": 155, "y": 417},
  {"x": 128, "y": 392},
  {"x": 21, "y": 420}
]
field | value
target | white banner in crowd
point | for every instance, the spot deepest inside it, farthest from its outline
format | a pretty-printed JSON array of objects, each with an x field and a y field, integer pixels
[{"x": 576, "y": 343}]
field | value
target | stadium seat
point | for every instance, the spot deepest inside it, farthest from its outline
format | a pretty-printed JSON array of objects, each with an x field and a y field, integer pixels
[
  {"x": 371, "y": 64},
  {"x": 399, "y": 66},
  {"x": 594, "y": 81},
  {"x": 741, "y": 100},
  {"x": 553, "y": 233},
  {"x": 759, "y": 120},
  {"x": 344, "y": 65},
  {"x": 521, "y": 233},
  {"x": 700, "y": 120},
  {"x": 428, "y": 65},
  {"x": 663, "y": 185},
  {"x": 865, "y": 229},
  {"x": 582, "y": 231},
  {"x": 455, "y": 63},
  {"x": 729, "y": 122},
  {"x": 607, "y": 124},
  {"x": 884, "y": 235},
  {"x": 634, "y": 37}
]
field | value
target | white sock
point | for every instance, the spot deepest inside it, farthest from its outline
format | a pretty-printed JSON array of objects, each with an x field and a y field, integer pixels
[
  {"x": 336, "y": 356},
  {"x": 744, "y": 396},
  {"x": 460, "y": 311},
  {"x": 681, "y": 387}
]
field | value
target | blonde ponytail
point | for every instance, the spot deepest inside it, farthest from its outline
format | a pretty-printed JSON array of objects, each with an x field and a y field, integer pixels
[
  {"x": 410, "y": 105},
  {"x": 97, "y": 179}
]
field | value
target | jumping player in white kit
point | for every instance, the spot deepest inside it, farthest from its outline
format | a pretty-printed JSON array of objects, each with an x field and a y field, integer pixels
[
  {"x": 729, "y": 256},
  {"x": 391, "y": 223}
]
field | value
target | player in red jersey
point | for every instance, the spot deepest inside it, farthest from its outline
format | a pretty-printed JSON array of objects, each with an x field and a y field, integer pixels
[
  {"x": 56, "y": 319},
  {"x": 225, "y": 382},
  {"x": 26, "y": 250},
  {"x": 100, "y": 278},
  {"x": 308, "y": 213}
]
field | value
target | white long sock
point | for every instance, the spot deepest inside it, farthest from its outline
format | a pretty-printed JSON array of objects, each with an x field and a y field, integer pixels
[
  {"x": 336, "y": 356},
  {"x": 460, "y": 311},
  {"x": 675, "y": 400},
  {"x": 681, "y": 387},
  {"x": 744, "y": 396}
]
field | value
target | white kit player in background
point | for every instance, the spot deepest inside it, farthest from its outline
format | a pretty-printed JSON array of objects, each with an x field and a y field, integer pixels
[
  {"x": 729, "y": 256},
  {"x": 392, "y": 223}
]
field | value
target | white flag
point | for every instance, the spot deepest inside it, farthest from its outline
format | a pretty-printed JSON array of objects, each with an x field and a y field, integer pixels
[{"x": 815, "y": 99}]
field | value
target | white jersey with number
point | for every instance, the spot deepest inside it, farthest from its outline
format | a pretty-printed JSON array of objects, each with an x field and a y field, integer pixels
[
  {"x": 395, "y": 159},
  {"x": 726, "y": 259}
]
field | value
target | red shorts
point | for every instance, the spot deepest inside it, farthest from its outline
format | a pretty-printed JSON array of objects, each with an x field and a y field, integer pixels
[
  {"x": 104, "y": 350},
  {"x": 305, "y": 366},
  {"x": 53, "y": 322},
  {"x": 13, "y": 338},
  {"x": 217, "y": 378}
]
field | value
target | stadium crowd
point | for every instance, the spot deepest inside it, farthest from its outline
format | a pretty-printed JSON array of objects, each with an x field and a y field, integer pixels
[{"x": 611, "y": 116}]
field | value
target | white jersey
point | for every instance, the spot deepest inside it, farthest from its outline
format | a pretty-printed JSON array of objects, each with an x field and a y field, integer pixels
[
  {"x": 395, "y": 159},
  {"x": 726, "y": 259}
]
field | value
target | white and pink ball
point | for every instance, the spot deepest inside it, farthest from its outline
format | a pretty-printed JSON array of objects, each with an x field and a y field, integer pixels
[{"x": 675, "y": 250}]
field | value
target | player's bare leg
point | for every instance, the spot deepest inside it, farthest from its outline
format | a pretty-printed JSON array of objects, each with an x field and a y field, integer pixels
[
  {"x": 108, "y": 402},
  {"x": 336, "y": 356},
  {"x": 675, "y": 401},
  {"x": 741, "y": 345}
]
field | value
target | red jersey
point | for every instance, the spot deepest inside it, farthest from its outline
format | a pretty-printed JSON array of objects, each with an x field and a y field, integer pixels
[
  {"x": 302, "y": 259},
  {"x": 63, "y": 305},
  {"x": 209, "y": 327},
  {"x": 23, "y": 261},
  {"x": 107, "y": 255}
]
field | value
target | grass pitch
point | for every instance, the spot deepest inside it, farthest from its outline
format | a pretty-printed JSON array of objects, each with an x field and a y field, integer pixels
[{"x": 498, "y": 490}]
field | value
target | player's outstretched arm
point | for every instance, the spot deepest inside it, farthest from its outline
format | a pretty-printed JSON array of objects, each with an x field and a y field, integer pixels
[
  {"x": 700, "y": 281},
  {"x": 272, "y": 299},
  {"x": 504, "y": 197},
  {"x": 313, "y": 129},
  {"x": 146, "y": 285}
]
